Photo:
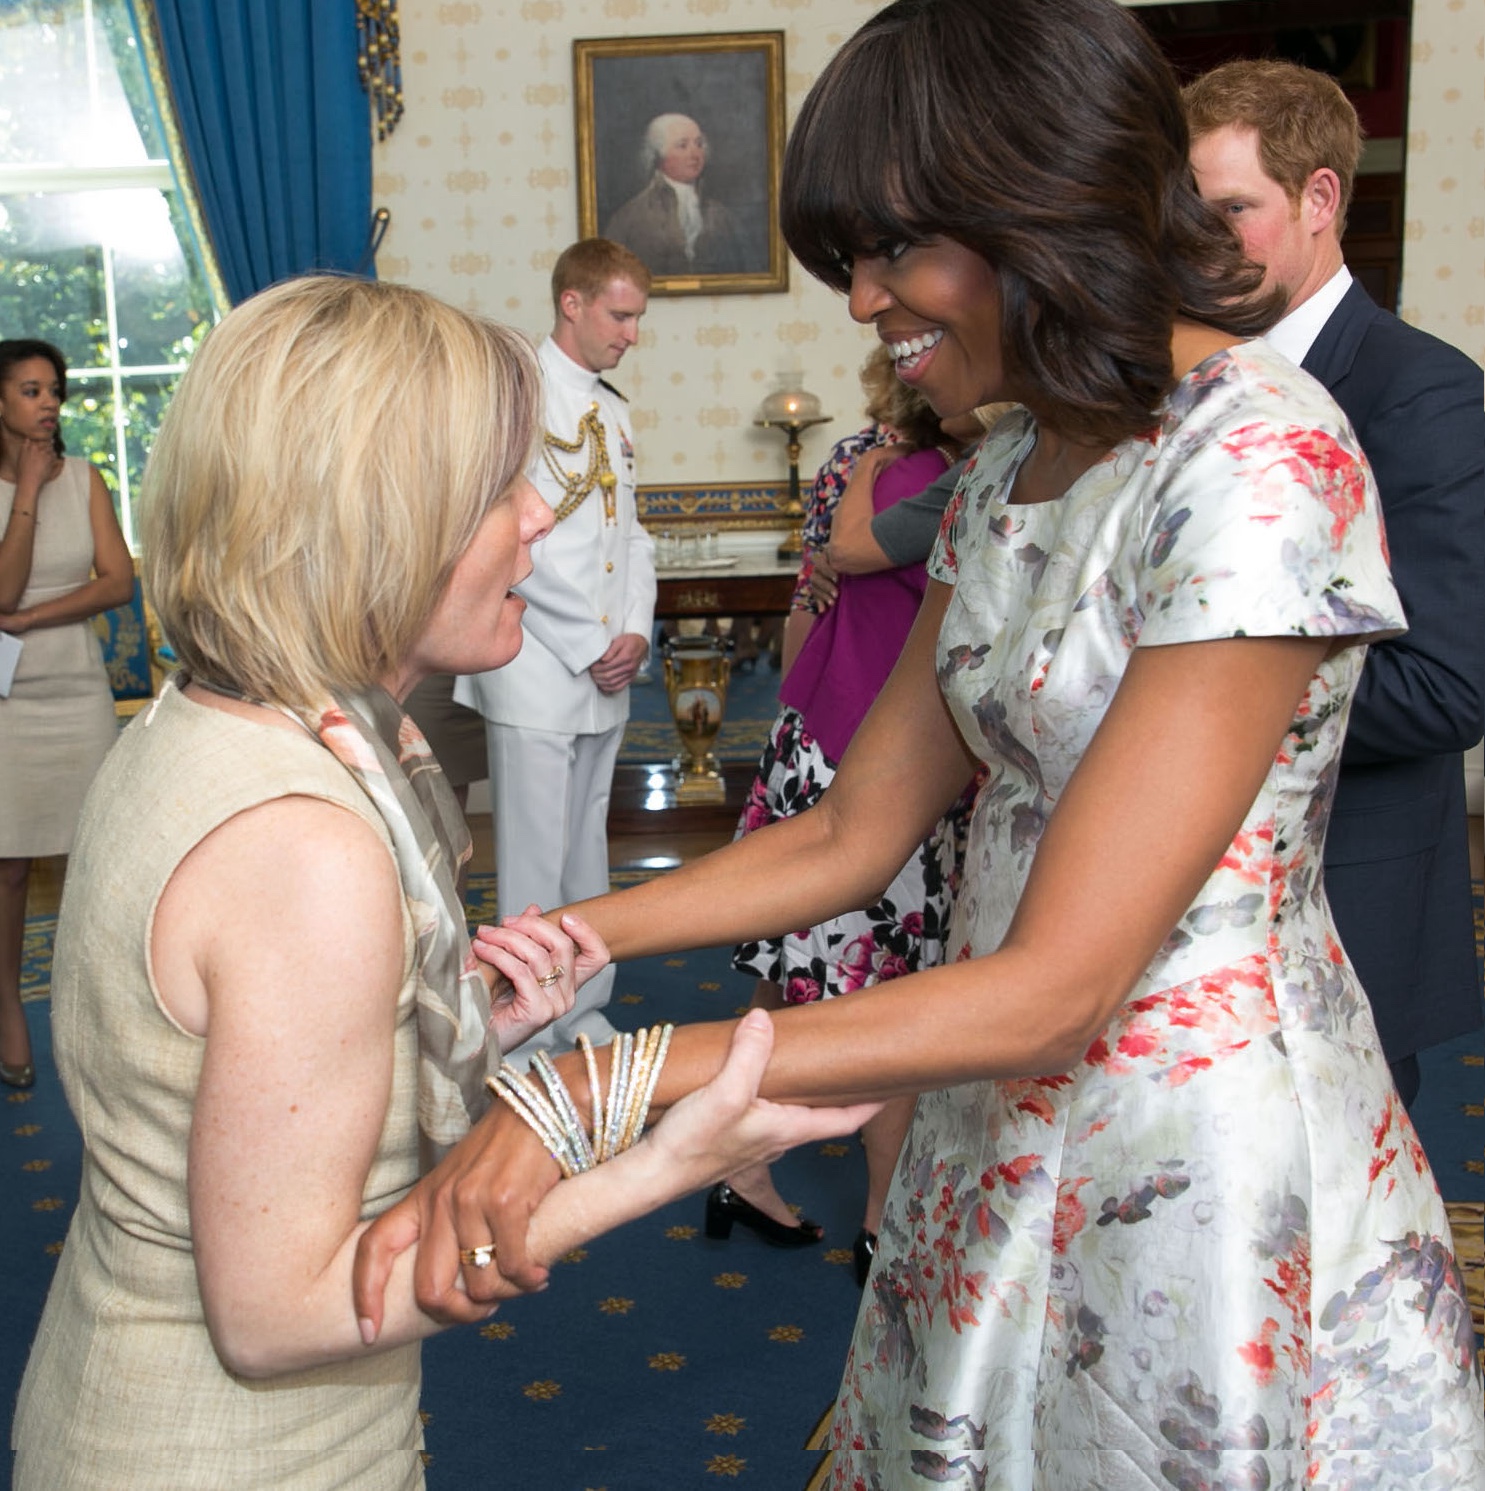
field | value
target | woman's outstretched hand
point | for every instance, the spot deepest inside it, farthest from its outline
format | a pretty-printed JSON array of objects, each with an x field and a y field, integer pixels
[
  {"x": 494, "y": 1188},
  {"x": 541, "y": 968}
]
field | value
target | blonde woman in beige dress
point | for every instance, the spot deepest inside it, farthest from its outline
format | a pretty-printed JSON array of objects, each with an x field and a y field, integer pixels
[
  {"x": 266, "y": 1010},
  {"x": 63, "y": 560}
]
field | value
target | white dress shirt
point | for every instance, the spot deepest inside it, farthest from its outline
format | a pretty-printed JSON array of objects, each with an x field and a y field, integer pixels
[
  {"x": 688, "y": 210},
  {"x": 1295, "y": 334}
]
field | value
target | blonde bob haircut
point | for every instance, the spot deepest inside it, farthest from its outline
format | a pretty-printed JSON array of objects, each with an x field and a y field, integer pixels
[{"x": 325, "y": 461}]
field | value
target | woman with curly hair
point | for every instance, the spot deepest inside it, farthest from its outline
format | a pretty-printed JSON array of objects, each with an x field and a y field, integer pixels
[{"x": 63, "y": 561}]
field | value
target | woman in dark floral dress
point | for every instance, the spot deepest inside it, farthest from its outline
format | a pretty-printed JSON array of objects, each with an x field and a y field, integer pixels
[{"x": 833, "y": 672}]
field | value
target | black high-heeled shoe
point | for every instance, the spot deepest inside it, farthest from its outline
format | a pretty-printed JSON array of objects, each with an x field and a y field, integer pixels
[
  {"x": 22, "y": 1075},
  {"x": 863, "y": 1250},
  {"x": 724, "y": 1207}
]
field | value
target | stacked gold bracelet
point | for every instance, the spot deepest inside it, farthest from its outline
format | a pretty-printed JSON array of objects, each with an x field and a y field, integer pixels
[{"x": 617, "y": 1122}]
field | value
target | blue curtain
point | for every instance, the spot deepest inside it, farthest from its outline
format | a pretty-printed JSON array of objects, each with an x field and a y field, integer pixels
[{"x": 276, "y": 128}]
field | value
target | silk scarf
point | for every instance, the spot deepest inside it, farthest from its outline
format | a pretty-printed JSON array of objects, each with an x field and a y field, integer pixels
[{"x": 387, "y": 754}]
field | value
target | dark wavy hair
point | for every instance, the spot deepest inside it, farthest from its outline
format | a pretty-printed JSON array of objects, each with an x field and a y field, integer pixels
[
  {"x": 23, "y": 349},
  {"x": 1048, "y": 137}
]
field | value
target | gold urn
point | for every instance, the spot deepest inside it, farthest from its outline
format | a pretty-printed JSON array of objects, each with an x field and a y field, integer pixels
[{"x": 697, "y": 670}]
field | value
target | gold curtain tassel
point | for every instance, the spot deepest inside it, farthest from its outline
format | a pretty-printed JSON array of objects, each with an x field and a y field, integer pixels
[{"x": 379, "y": 60}]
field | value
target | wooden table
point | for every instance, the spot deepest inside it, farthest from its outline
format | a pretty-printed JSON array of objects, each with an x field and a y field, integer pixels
[{"x": 758, "y": 584}]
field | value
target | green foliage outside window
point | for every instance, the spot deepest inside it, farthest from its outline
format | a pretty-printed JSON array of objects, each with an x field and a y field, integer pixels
[{"x": 96, "y": 253}]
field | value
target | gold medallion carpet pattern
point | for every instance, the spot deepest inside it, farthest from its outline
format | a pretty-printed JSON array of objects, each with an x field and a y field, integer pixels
[{"x": 658, "y": 1358}]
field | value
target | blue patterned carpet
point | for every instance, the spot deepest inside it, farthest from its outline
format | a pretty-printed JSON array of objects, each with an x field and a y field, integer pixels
[{"x": 657, "y": 1359}]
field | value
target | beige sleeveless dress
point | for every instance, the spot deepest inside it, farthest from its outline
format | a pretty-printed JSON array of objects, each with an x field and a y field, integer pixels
[
  {"x": 58, "y": 723},
  {"x": 123, "y": 1389}
]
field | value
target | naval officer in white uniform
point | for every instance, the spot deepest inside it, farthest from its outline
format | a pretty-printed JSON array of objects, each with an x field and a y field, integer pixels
[{"x": 555, "y": 715}]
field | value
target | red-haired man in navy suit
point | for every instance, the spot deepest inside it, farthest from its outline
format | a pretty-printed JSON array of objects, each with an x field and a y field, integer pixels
[{"x": 1275, "y": 147}]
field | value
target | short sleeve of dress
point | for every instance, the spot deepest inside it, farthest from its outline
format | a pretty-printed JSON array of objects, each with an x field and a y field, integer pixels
[{"x": 1264, "y": 519}]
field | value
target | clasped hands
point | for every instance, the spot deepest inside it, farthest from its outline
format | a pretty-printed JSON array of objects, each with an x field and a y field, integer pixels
[
  {"x": 485, "y": 1190},
  {"x": 535, "y": 970},
  {"x": 615, "y": 670}
]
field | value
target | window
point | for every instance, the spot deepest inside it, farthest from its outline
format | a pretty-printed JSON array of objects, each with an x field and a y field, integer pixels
[{"x": 97, "y": 253}]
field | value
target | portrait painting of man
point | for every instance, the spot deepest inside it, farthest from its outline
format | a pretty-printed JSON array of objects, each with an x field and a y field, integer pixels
[{"x": 679, "y": 140}]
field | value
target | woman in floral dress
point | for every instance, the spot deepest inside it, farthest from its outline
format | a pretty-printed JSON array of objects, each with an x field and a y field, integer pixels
[
  {"x": 834, "y": 666},
  {"x": 1161, "y": 1220}
]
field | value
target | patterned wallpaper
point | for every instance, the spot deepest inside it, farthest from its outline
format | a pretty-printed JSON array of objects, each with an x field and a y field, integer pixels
[
  {"x": 1443, "y": 287},
  {"x": 480, "y": 181}
]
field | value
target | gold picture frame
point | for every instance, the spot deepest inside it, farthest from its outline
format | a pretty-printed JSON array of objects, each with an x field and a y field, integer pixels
[{"x": 641, "y": 102}]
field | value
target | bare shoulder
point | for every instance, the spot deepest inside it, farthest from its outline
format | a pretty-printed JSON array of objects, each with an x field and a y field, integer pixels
[
  {"x": 292, "y": 882},
  {"x": 294, "y": 846},
  {"x": 109, "y": 549}
]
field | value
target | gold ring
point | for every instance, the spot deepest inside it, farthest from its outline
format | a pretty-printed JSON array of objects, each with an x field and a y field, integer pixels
[
  {"x": 478, "y": 1257},
  {"x": 551, "y": 978}
]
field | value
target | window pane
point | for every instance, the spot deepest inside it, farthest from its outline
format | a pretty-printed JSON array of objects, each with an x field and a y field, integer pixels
[
  {"x": 161, "y": 293},
  {"x": 62, "y": 95},
  {"x": 52, "y": 280},
  {"x": 87, "y": 426},
  {"x": 112, "y": 275},
  {"x": 145, "y": 398},
  {"x": 51, "y": 275},
  {"x": 118, "y": 50}
]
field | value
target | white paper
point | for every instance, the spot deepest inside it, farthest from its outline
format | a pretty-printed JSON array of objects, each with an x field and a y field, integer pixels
[{"x": 10, "y": 655}]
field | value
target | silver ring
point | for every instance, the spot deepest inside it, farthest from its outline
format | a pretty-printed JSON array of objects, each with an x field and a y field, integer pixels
[
  {"x": 481, "y": 1257},
  {"x": 551, "y": 978}
]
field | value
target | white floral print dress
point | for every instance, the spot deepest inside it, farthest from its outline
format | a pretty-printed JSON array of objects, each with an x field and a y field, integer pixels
[{"x": 1212, "y": 1256}]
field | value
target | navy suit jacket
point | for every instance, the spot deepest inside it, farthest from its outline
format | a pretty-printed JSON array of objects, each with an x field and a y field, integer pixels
[{"x": 1397, "y": 853}]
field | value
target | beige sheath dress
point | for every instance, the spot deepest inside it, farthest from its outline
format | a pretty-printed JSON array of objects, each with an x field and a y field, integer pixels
[
  {"x": 58, "y": 723},
  {"x": 123, "y": 1389}
]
